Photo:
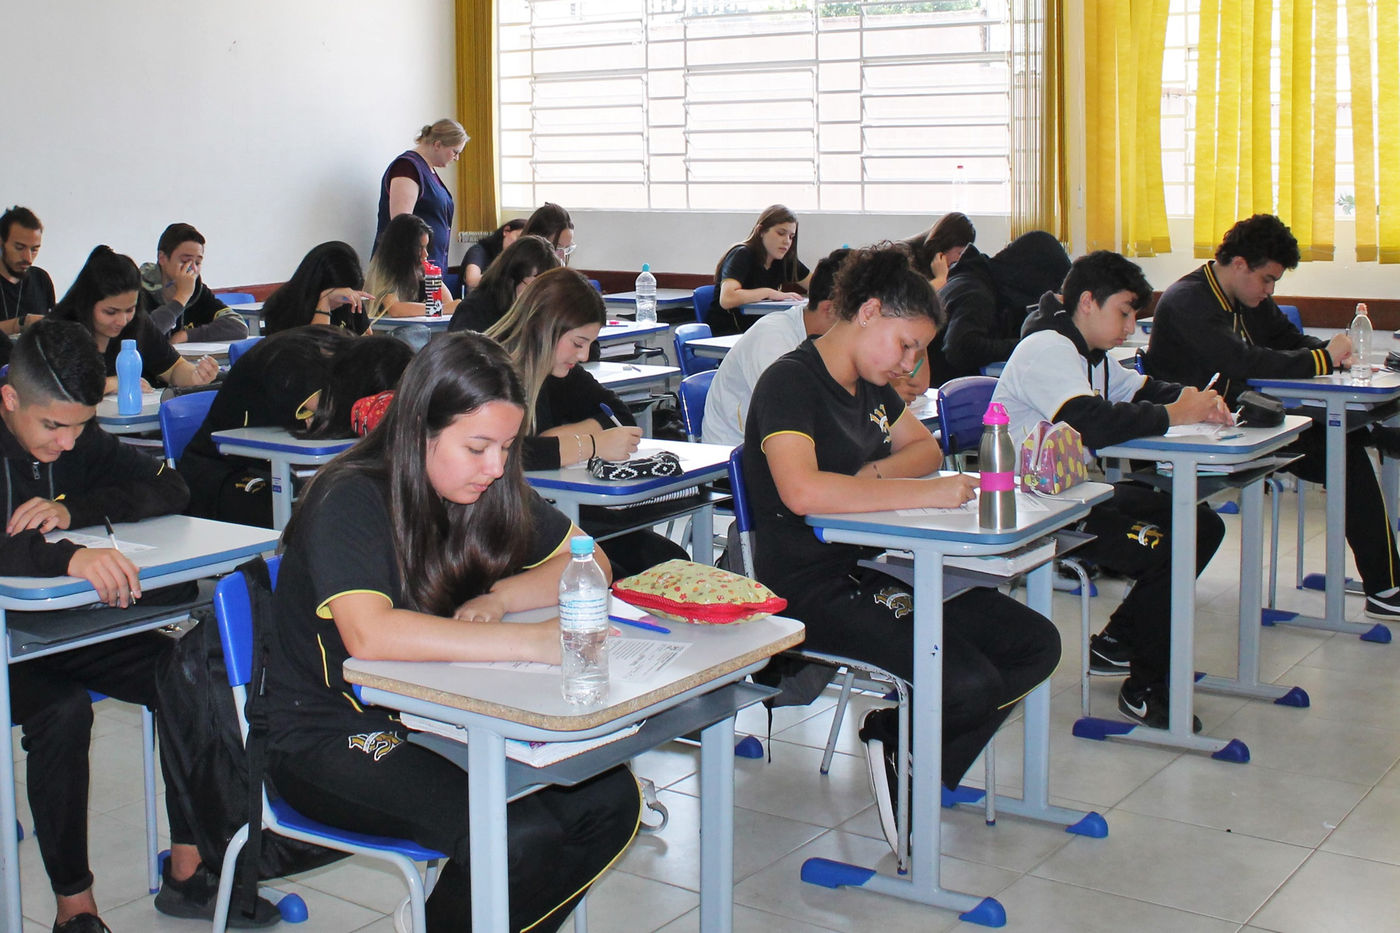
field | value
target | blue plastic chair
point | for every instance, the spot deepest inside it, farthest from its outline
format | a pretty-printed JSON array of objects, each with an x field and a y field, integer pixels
[
  {"x": 685, "y": 356},
  {"x": 702, "y": 297},
  {"x": 961, "y": 404},
  {"x": 1291, "y": 312},
  {"x": 693, "y": 391},
  {"x": 234, "y": 614},
  {"x": 180, "y": 418},
  {"x": 240, "y": 347},
  {"x": 236, "y": 298}
]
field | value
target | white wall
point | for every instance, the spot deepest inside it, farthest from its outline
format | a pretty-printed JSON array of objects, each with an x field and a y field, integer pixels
[{"x": 265, "y": 124}]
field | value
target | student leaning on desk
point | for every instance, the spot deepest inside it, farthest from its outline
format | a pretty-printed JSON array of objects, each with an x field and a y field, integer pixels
[
  {"x": 61, "y": 471},
  {"x": 412, "y": 546}
]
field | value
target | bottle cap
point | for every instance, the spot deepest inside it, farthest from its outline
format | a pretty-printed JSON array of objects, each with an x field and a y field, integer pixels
[
  {"x": 996, "y": 414},
  {"x": 646, "y": 267},
  {"x": 580, "y": 545}
]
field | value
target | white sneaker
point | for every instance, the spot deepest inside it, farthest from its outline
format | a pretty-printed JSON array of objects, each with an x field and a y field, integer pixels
[{"x": 884, "y": 781}]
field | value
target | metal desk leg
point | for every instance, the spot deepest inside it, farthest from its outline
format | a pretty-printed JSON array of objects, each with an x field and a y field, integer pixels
[
  {"x": 281, "y": 470},
  {"x": 9, "y": 839},
  {"x": 717, "y": 827},
  {"x": 486, "y": 810},
  {"x": 702, "y": 535}
]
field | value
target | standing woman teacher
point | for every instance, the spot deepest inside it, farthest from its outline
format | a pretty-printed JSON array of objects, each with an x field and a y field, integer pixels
[{"x": 411, "y": 185}]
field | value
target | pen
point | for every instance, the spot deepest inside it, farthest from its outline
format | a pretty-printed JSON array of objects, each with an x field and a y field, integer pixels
[
  {"x": 607, "y": 410},
  {"x": 638, "y": 623},
  {"x": 1212, "y": 382},
  {"x": 111, "y": 533}
]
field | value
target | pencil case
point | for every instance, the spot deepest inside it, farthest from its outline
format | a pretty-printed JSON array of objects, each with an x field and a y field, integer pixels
[
  {"x": 662, "y": 463},
  {"x": 685, "y": 591},
  {"x": 1052, "y": 459}
]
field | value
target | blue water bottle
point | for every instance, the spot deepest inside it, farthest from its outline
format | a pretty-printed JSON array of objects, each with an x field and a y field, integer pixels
[{"x": 129, "y": 379}]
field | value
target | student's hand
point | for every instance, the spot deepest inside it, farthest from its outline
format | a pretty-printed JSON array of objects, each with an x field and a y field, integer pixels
[
  {"x": 180, "y": 336},
  {"x": 775, "y": 295},
  {"x": 335, "y": 297},
  {"x": 111, "y": 387},
  {"x": 206, "y": 370},
  {"x": 488, "y": 607},
  {"x": 618, "y": 443},
  {"x": 111, "y": 573},
  {"x": 1194, "y": 405},
  {"x": 1339, "y": 348},
  {"x": 181, "y": 286},
  {"x": 949, "y": 492},
  {"x": 44, "y": 514}
]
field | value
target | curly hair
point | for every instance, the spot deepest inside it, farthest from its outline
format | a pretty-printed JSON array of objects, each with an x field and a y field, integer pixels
[
  {"x": 883, "y": 271},
  {"x": 1257, "y": 240}
]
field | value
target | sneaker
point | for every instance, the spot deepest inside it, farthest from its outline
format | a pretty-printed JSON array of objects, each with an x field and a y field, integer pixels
[
  {"x": 1108, "y": 655},
  {"x": 1384, "y": 606},
  {"x": 195, "y": 898},
  {"x": 884, "y": 776},
  {"x": 1148, "y": 705},
  {"x": 82, "y": 923}
]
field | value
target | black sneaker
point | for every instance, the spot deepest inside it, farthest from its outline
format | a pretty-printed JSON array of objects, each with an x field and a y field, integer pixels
[
  {"x": 884, "y": 775},
  {"x": 1148, "y": 705},
  {"x": 195, "y": 898},
  {"x": 82, "y": 923},
  {"x": 1108, "y": 655},
  {"x": 1385, "y": 608}
]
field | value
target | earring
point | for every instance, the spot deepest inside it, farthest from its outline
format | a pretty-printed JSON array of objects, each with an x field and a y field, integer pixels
[{"x": 863, "y": 323}]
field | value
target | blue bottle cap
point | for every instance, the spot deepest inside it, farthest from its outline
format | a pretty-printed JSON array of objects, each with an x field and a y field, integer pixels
[{"x": 580, "y": 545}]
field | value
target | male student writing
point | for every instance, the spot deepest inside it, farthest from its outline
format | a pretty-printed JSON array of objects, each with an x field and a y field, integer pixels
[
  {"x": 176, "y": 298},
  {"x": 61, "y": 472},
  {"x": 1222, "y": 319},
  {"x": 1060, "y": 372}
]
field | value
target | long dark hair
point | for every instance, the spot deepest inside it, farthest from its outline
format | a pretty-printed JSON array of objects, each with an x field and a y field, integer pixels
[
  {"x": 771, "y": 217},
  {"x": 496, "y": 241},
  {"x": 526, "y": 258},
  {"x": 104, "y": 274},
  {"x": 396, "y": 269},
  {"x": 951, "y": 231},
  {"x": 333, "y": 264},
  {"x": 549, "y": 220},
  {"x": 446, "y": 552},
  {"x": 358, "y": 368}
]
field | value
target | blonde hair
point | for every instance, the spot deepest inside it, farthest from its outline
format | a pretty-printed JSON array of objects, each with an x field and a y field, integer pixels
[{"x": 446, "y": 131}]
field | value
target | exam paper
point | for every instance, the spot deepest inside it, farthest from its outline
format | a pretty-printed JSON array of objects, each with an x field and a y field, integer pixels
[
  {"x": 1025, "y": 502},
  {"x": 82, "y": 540}
]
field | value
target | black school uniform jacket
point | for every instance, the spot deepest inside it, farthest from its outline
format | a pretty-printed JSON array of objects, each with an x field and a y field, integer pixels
[
  {"x": 1197, "y": 332},
  {"x": 100, "y": 477},
  {"x": 204, "y": 316}
]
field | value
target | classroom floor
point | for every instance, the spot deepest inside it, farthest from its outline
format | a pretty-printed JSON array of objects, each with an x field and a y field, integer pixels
[{"x": 1306, "y": 837}]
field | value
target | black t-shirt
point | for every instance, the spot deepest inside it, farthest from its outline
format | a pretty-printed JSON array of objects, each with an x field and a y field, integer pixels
[
  {"x": 157, "y": 355},
  {"x": 567, "y": 400},
  {"x": 796, "y": 395},
  {"x": 741, "y": 265},
  {"x": 346, "y": 545},
  {"x": 479, "y": 255},
  {"x": 476, "y": 312},
  {"x": 32, "y": 294}
]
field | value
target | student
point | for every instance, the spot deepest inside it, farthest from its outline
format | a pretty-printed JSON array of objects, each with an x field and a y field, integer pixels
[
  {"x": 62, "y": 472},
  {"x": 756, "y": 270},
  {"x": 548, "y": 333},
  {"x": 1060, "y": 372},
  {"x": 326, "y": 288},
  {"x": 395, "y": 277},
  {"x": 302, "y": 380},
  {"x": 412, "y": 546},
  {"x": 1222, "y": 319},
  {"x": 175, "y": 297},
  {"x": 484, "y": 251},
  {"x": 411, "y": 185},
  {"x": 986, "y": 299},
  {"x": 26, "y": 291},
  {"x": 937, "y": 249},
  {"x": 103, "y": 298},
  {"x": 826, "y": 433},
  {"x": 554, "y": 224},
  {"x": 515, "y": 268},
  {"x": 727, "y": 403}
]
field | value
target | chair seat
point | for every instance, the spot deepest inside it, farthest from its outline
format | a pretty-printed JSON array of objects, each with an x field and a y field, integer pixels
[{"x": 291, "y": 819}]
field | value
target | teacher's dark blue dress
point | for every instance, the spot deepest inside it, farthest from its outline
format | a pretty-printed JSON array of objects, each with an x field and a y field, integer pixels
[{"x": 434, "y": 205}]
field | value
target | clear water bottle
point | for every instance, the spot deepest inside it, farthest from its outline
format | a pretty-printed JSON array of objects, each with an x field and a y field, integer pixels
[
  {"x": 583, "y": 625},
  {"x": 1360, "y": 333},
  {"x": 432, "y": 289},
  {"x": 997, "y": 459},
  {"x": 129, "y": 379},
  {"x": 646, "y": 296}
]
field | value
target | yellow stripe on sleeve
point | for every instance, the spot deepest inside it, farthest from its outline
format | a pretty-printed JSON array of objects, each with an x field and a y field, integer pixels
[
  {"x": 323, "y": 611},
  {"x": 559, "y": 548},
  {"x": 763, "y": 444}
]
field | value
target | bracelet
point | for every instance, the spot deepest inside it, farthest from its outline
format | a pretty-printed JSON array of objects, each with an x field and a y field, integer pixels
[
  {"x": 876, "y": 467},
  {"x": 594, "y": 442}
]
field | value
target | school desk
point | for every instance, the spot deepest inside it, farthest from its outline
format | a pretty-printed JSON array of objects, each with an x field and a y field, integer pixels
[
  {"x": 282, "y": 451},
  {"x": 616, "y": 332},
  {"x": 625, "y": 303},
  {"x": 434, "y": 322},
  {"x": 713, "y": 348},
  {"x": 760, "y": 308},
  {"x": 195, "y": 351},
  {"x": 148, "y": 419}
]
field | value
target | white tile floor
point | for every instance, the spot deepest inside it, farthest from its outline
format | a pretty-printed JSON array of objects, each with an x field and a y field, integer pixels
[{"x": 1305, "y": 838}]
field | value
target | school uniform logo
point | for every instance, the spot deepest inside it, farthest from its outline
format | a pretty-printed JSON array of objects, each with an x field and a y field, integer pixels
[
  {"x": 900, "y": 601},
  {"x": 375, "y": 744},
  {"x": 881, "y": 421}
]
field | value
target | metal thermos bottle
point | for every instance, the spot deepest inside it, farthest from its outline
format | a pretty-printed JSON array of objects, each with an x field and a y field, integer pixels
[{"x": 997, "y": 459}]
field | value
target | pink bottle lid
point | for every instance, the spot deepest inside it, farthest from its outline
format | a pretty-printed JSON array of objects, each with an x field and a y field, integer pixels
[{"x": 996, "y": 414}]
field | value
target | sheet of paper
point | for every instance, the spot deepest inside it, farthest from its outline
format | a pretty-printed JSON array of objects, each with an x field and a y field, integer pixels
[
  {"x": 82, "y": 540},
  {"x": 1025, "y": 502},
  {"x": 640, "y": 658},
  {"x": 1199, "y": 429},
  {"x": 521, "y": 667}
]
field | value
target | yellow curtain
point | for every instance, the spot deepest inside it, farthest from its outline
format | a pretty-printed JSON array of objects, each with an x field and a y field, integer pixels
[
  {"x": 1387, "y": 92},
  {"x": 1039, "y": 168},
  {"x": 476, "y": 169},
  {"x": 1375, "y": 127}
]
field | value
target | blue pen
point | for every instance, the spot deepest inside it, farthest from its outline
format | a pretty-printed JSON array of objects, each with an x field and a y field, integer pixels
[
  {"x": 638, "y": 623},
  {"x": 607, "y": 410}
]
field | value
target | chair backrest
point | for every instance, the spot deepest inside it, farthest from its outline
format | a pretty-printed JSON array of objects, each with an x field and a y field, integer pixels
[
  {"x": 685, "y": 356},
  {"x": 702, "y": 297},
  {"x": 961, "y": 404},
  {"x": 234, "y": 613},
  {"x": 240, "y": 347},
  {"x": 743, "y": 515},
  {"x": 1140, "y": 361},
  {"x": 693, "y": 391},
  {"x": 180, "y": 418},
  {"x": 236, "y": 298},
  {"x": 1291, "y": 312}
]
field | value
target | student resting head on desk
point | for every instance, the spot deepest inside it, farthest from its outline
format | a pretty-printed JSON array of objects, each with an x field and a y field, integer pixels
[
  {"x": 62, "y": 471},
  {"x": 548, "y": 333},
  {"x": 484, "y": 251},
  {"x": 395, "y": 276},
  {"x": 826, "y": 433},
  {"x": 937, "y": 249},
  {"x": 412, "y": 546},
  {"x": 303, "y": 380},
  {"x": 103, "y": 299},
  {"x": 756, "y": 270},
  {"x": 515, "y": 268},
  {"x": 174, "y": 294},
  {"x": 326, "y": 288}
]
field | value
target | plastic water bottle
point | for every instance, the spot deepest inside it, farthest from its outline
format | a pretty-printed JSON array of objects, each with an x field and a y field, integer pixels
[
  {"x": 1360, "y": 333},
  {"x": 432, "y": 289},
  {"x": 583, "y": 625},
  {"x": 129, "y": 379},
  {"x": 646, "y": 296},
  {"x": 997, "y": 459}
]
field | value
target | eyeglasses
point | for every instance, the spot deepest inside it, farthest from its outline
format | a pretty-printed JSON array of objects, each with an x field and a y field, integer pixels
[{"x": 563, "y": 251}]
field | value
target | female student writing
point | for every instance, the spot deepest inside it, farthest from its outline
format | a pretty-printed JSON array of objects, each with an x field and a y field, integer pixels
[
  {"x": 515, "y": 268},
  {"x": 326, "y": 288},
  {"x": 484, "y": 251},
  {"x": 548, "y": 333},
  {"x": 827, "y": 433},
  {"x": 302, "y": 380},
  {"x": 755, "y": 270},
  {"x": 103, "y": 299},
  {"x": 395, "y": 276},
  {"x": 412, "y": 546}
]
